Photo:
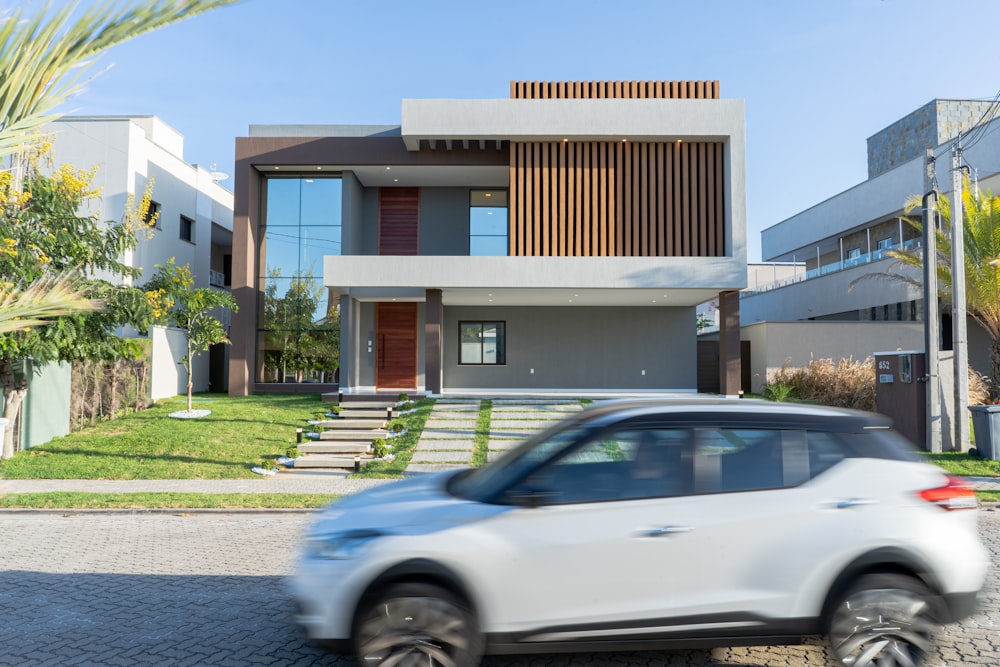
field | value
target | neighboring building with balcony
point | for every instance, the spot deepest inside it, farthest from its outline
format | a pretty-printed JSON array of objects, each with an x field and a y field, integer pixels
[
  {"x": 556, "y": 241},
  {"x": 844, "y": 241},
  {"x": 850, "y": 234},
  {"x": 194, "y": 224}
]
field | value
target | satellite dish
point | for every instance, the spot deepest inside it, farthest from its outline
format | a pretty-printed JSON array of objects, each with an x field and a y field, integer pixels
[{"x": 217, "y": 175}]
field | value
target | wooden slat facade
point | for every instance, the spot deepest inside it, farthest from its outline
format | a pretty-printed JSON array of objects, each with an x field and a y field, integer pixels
[
  {"x": 635, "y": 199},
  {"x": 555, "y": 90},
  {"x": 628, "y": 199},
  {"x": 399, "y": 221}
]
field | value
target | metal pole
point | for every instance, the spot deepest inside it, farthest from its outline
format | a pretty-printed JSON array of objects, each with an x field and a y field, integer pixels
[
  {"x": 931, "y": 318},
  {"x": 958, "y": 309}
]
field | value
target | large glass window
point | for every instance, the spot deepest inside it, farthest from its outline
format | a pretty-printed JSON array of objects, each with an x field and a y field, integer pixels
[
  {"x": 482, "y": 343},
  {"x": 298, "y": 337},
  {"x": 488, "y": 223}
]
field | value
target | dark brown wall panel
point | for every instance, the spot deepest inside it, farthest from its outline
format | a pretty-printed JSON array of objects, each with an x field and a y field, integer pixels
[
  {"x": 399, "y": 221},
  {"x": 617, "y": 199}
]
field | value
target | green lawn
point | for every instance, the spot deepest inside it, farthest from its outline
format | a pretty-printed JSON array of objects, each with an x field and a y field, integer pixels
[
  {"x": 239, "y": 434},
  {"x": 957, "y": 463}
]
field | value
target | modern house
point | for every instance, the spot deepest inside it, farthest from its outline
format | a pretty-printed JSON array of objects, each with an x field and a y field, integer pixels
[
  {"x": 845, "y": 240},
  {"x": 555, "y": 241}
]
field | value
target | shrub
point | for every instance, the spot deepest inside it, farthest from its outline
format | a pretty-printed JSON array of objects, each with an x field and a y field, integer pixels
[
  {"x": 847, "y": 383},
  {"x": 403, "y": 397},
  {"x": 779, "y": 392},
  {"x": 397, "y": 427},
  {"x": 379, "y": 448}
]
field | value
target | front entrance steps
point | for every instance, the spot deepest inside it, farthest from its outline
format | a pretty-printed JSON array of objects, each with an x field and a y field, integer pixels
[{"x": 345, "y": 441}]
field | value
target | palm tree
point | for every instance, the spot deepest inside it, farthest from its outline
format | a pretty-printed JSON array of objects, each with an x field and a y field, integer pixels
[
  {"x": 45, "y": 57},
  {"x": 981, "y": 236}
]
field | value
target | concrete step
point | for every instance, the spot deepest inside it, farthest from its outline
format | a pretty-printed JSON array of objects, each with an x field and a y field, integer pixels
[
  {"x": 334, "y": 447},
  {"x": 355, "y": 434},
  {"x": 347, "y": 424},
  {"x": 362, "y": 413},
  {"x": 329, "y": 461},
  {"x": 367, "y": 405}
]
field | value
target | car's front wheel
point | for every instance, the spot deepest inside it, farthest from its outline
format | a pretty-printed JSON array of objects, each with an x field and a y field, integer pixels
[
  {"x": 884, "y": 620},
  {"x": 417, "y": 624}
]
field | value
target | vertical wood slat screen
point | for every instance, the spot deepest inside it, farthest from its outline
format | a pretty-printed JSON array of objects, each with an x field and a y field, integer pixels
[
  {"x": 399, "y": 221},
  {"x": 627, "y": 199},
  {"x": 542, "y": 90}
]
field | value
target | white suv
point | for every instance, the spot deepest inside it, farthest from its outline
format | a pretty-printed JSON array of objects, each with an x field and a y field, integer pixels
[{"x": 650, "y": 525}]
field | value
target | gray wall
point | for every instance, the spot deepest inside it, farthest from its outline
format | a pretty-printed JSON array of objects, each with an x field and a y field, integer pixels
[
  {"x": 352, "y": 215},
  {"x": 444, "y": 221},
  {"x": 580, "y": 348}
]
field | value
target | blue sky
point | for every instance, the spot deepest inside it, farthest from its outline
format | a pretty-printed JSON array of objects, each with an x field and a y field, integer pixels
[{"x": 818, "y": 77}]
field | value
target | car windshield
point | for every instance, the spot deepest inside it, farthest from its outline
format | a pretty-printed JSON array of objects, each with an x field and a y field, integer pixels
[{"x": 485, "y": 483}]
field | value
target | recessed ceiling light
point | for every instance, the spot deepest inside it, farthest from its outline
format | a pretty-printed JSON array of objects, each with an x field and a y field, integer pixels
[
  {"x": 277, "y": 168},
  {"x": 388, "y": 168},
  {"x": 654, "y": 300},
  {"x": 489, "y": 194},
  {"x": 319, "y": 168},
  {"x": 395, "y": 180}
]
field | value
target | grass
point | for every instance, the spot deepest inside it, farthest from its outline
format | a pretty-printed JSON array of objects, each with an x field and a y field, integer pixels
[
  {"x": 402, "y": 445},
  {"x": 74, "y": 500},
  {"x": 482, "y": 440},
  {"x": 240, "y": 433},
  {"x": 958, "y": 463}
]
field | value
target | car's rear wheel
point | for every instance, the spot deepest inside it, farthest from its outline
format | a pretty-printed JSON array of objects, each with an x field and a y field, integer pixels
[
  {"x": 413, "y": 624},
  {"x": 884, "y": 620}
]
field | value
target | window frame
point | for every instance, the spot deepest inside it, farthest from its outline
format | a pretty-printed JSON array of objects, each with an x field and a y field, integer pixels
[
  {"x": 187, "y": 224},
  {"x": 506, "y": 207},
  {"x": 501, "y": 349}
]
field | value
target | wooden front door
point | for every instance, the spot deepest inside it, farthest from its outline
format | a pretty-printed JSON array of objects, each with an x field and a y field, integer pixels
[{"x": 396, "y": 358}]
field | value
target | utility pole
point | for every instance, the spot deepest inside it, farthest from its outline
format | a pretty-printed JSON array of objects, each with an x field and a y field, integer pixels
[
  {"x": 958, "y": 324},
  {"x": 931, "y": 319}
]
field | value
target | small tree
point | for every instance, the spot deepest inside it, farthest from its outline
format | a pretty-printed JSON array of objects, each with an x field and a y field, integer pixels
[{"x": 190, "y": 310}]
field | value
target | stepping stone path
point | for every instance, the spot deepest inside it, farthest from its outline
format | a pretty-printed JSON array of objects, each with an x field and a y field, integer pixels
[{"x": 449, "y": 436}]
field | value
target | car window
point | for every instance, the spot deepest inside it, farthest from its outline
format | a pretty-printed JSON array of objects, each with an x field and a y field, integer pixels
[
  {"x": 739, "y": 460},
  {"x": 619, "y": 465},
  {"x": 755, "y": 459}
]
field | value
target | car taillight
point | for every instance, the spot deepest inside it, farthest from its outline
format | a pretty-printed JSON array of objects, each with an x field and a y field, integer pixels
[{"x": 955, "y": 495}]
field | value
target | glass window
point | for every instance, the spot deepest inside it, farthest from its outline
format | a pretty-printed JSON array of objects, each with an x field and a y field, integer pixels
[
  {"x": 739, "y": 460},
  {"x": 298, "y": 322},
  {"x": 482, "y": 343},
  {"x": 187, "y": 229},
  {"x": 488, "y": 223},
  {"x": 625, "y": 465}
]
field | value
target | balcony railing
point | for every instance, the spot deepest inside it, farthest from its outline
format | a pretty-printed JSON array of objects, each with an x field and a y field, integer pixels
[
  {"x": 216, "y": 278},
  {"x": 847, "y": 263}
]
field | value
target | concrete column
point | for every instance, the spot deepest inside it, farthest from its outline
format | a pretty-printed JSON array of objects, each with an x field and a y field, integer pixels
[
  {"x": 433, "y": 319},
  {"x": 729, "y": 343},
  {"x": 243, "y": 327}
]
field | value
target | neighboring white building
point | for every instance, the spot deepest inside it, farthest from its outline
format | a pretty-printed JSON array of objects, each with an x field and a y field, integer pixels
[
  {"x": 849, "y": 234},
  {"x": 195, "y": 224}
]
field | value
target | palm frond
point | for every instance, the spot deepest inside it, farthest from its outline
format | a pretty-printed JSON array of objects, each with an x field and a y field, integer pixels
[
  {"x": 46, "y": 57},
  {"x": 46, "y": 298}
]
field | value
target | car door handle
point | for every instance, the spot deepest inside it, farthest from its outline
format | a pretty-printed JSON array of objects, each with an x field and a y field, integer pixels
[
  {"x": 847, "y": 503},
  {"x": 664, "y": 530}
]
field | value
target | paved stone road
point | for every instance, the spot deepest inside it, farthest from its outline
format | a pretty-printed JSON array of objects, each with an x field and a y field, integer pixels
[{"x": 207, "y": 589}]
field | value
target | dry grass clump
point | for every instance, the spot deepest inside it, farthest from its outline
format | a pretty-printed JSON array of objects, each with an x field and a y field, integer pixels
[
  {"x": 847, "y": 383},
  {"x": 979, "y": 389}
]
